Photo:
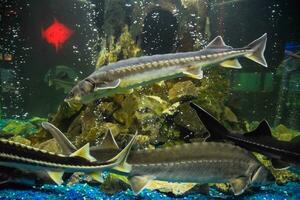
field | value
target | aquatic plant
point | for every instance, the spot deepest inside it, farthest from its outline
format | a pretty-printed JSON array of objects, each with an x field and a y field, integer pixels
[{"x": 125, "y": 47}]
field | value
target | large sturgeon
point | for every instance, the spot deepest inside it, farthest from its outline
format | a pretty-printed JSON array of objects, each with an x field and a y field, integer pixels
[
  {"x": 30, "y": 159},
  {"x": 130, "y": 73},
  {"x": 204, "y": 162},
  {"x": 282, "y": 154}
]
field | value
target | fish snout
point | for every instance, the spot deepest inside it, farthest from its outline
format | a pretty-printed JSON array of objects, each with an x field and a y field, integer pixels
[{"x": 83, "y": 88}]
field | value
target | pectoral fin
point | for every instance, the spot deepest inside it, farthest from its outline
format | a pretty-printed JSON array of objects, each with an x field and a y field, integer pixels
[
  {"x": 121, "y": 158},
  {"x": 138, "y": 183},
  {"x": 235, "y": 64},
  {"x": 108, "y": 85},
  {"x": 84, "y": 152},
  {"x": 239, "y": 185},
  {"x": 97, "y": 176},
  {"x": 195, "y": 73},
  {"x": 56, "y": 176}
]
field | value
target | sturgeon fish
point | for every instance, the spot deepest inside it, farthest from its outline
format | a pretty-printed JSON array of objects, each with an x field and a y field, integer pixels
[
  {"x": 127, "y": 74},
  {"x": 282, "y": 154},
  {"x": 205, "y": 162},
  {"x": 27, "y": 158}
]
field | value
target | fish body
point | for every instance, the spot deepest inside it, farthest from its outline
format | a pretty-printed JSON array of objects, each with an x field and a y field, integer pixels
[
  {"x": 130, "y": 73},
  {"x": 205, "y": 162},
  {"x": 19, "y": 156},
  {"x": 282, "y": 154}
]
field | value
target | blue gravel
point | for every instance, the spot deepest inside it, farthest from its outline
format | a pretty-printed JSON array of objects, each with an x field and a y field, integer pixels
[{"x": 84, "y": 192}]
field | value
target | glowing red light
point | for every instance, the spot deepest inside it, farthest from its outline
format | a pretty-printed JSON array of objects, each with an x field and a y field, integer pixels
[{"x": 57, "y": 34}]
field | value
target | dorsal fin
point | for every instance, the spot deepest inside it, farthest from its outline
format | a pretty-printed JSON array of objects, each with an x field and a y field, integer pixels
[
  {"x": 84, "y": 152},
  {"x": 122, "y": 157},
  {"x": 109, "y": 141},
  {"x": 263, "y": 130},
  {"x": 217, "y": 43},
  {"x": 216, "y": 130}
]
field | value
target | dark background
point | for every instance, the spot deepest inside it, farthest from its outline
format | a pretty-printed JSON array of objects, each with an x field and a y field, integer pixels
[{"x": 239, "y": 24}]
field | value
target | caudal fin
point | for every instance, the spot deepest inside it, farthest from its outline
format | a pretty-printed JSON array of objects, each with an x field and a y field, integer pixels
[
  {"x": 258, "y": 47},
  {"x": 216, "y": 130},
  {"x": 65, "y": 144}
]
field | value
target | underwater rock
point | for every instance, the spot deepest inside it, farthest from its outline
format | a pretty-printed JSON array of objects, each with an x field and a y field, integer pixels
[
  {"x": 37, "y": 121},
  {"x": 49, "y": 145},
  {"x": 183, "y": 89},
  {"x": 283, "y": 133},
  {"x": 22, "y": 128},
  {"x": 186, "y": 118},
  {"x": 281, "y": 176},
  {"x": 168, "y": 187},
  {"x": 112, "y": 51},
  {"x": 21, "y": 140},
  {"x": 114, "y": 183},
  {"x": 62, "y": 119},
  {"x": 154, "y": 103},
  {"x": 229, "y": 115},
  {"x": 126, "y": 114}
]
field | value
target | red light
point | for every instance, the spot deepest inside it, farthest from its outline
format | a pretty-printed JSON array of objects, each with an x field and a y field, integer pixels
[{"x": 57, "y": 34}]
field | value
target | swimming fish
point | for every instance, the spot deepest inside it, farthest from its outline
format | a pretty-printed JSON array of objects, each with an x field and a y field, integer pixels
[
  {"x": 22, "y": 157},
  {"x": 61, "y": 77},
  {"x": 282, "y": 154},
  {"x": 204, "y": 162},
  {"x": 134, "y": 72}
]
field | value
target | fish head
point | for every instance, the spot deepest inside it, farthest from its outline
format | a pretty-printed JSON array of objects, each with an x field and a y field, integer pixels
[
  {"x": 81, "y": 89},
  {"x": 262, "y": 176}
]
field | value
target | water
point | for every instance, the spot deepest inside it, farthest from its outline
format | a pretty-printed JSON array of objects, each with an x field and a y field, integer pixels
[{"x": 47, "y": 47}]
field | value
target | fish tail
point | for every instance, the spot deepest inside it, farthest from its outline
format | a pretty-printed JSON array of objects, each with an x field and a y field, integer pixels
[{"x": 258, "y": 47}]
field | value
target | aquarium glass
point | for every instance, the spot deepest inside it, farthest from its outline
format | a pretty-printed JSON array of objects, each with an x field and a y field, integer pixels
[{"x": 76, "y": 74}]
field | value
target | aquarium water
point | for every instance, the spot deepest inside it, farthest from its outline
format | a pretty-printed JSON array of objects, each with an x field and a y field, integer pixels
[{"x": 97, "y": 71}]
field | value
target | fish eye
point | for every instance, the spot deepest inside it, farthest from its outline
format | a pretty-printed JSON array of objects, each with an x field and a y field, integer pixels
[{"x": 71, "y": 94}]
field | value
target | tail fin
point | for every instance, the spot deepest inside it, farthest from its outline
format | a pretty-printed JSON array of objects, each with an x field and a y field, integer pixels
[
  {"x": 258, "y": 47},
  {"x": 121, "y": 158},
  {"x": 65, "y": 144},
  {"x": 216, "y": 129}
]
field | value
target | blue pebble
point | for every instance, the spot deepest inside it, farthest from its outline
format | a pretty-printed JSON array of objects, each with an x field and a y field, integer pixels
[{"x": 84, "y": 192}]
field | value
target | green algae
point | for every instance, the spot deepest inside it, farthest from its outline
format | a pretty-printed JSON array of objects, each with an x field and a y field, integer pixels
[{"x": 23, "y": 128}]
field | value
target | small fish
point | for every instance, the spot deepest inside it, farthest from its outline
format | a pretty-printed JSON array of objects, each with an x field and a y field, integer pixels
[
  {"x": 134, "y": 72},
  {"x": 61, "y": 77},
  {"x": 204, "y": 162},
  {"x": 26, "y": 158},
  {"x": 282, "y": 154}
]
